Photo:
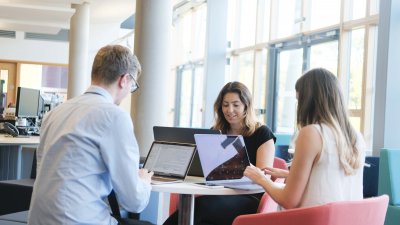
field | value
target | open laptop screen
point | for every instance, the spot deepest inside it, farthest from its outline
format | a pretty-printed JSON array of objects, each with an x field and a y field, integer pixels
[
  {"x": 223, "y": 157},
  {"x": 183, "y": 135},
  {"x": 172, "y": 159},
  {"x": 179, "y": 134}
]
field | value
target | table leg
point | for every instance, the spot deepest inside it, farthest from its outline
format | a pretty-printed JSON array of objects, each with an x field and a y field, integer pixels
[{"x": 186, "y": 209}]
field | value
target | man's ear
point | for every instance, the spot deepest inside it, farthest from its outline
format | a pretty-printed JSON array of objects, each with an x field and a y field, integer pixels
[{"x": 122, "y": 81}]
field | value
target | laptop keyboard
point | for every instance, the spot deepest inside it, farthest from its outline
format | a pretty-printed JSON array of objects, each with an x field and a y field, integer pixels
[
  {"x": 234, "y": 183},
  {"x": 163, "y": 179}
]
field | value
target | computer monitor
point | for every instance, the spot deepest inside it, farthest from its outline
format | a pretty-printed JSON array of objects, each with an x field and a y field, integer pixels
[{"x": 27, "y": 102}]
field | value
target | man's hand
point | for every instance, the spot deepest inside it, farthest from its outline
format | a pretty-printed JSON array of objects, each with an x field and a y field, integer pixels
[{"x": 145, "y": 175}]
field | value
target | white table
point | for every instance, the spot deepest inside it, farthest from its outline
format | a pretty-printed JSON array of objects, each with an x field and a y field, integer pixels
[
  {"x": 187, "y": 192},
  {"x": 10, "y": 152}
]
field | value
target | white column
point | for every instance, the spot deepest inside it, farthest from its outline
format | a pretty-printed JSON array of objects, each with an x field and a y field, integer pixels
[
  {"x": 78, "y": 77},
  {"x": 153, "y": 23},
  {"x": 215, "y": 58},
  {"x": 387, "y": 107}
]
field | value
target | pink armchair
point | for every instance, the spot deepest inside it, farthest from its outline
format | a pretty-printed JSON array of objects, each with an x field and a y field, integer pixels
[
  {"x": 267, "y": 204},
  {"x": 369, "y": 211}
]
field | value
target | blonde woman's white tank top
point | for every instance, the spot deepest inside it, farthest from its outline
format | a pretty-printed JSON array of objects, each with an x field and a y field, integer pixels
[{"x": 328, "y": 182}]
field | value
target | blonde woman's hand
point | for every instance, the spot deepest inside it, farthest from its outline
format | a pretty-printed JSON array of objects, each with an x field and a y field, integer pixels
[
  {"x": 145, "y": 175},
  {"x": 254, "y": 174},
  {"x": 276, "y": 172}
]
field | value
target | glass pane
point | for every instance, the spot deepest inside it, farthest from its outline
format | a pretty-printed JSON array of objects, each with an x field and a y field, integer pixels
[
  {"x": 358, "y": 9},
  {"x": 324, "y": 13},
  {"x": 265, "y": 20},
  {"x": 246, "y": 68},
  {"x": 4, "y": 77},
  {"x": 356, "y": 69},
  {"x": 171, "y": 98},
  {"x": 199, "y": 31},
  {"x": 232, "y": 23},
  {"x": 182, "y": 34},
  {"x": 248, "y": 16},
  {"x": 374, "y": 7},
  {"x": 31, "y": 76},
  {"x": 289, "y": 70},
  {"x": 325, "y": 55},
  {"x": 260, "y": 91},
  {"x": 197, "y": 114},
  {"x": 188, "y": 35},
  {"x": 369, "y": 96},
  {"x": 356, "y": 122},
  {"x": 288, "y": 12},
  {"x": 185, "y": 99}
]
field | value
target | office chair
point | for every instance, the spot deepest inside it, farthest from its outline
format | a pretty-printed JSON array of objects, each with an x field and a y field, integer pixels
[
  {"x": 370, "y": 176},
  {"x": 281, "y": 151},
  {"x": 132, "y": 219},
  {"x": 389, "y": 183}
]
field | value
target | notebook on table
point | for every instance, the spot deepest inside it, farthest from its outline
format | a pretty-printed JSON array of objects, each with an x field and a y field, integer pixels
[
  {"x": 169, "y": 161},
  {"x": 223, "y": 160},
  {"x": 183, "y": 135}
]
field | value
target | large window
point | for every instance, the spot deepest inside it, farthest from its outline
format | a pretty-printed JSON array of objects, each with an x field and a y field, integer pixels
[
  {"x": 290, "y": 67},
  {"x": 188, "y": 44},
  {"x": 270, "y": 43},
  {"x": 305, "y": 34},
  {"x": 293, "y": 58},
  {"x": 189, "y": 96}
]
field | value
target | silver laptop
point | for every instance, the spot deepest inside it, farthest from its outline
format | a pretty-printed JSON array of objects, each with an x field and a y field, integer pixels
[
  {"x": 183, "y": 135},
  {"x": 224, "y": 159},
  {"x": 169, "y": 161}
]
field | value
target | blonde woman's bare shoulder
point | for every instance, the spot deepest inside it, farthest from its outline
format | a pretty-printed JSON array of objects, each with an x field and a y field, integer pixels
[
  {"x": 310, "y": 138},
  {"x": 309, "y": 130}
]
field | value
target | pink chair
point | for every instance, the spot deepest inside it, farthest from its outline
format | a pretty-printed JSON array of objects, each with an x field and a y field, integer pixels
[
  {"x": 173, "y": 202},
  {"x": 280, "y": 163},
  {"x": 370, "y": 211},
  {"x": 267, "y": 204}
]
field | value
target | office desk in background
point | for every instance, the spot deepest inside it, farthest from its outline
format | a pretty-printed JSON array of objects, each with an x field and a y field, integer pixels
[
  {"x": 187, "y": 193},
  {"x": 11, "y": 160}
]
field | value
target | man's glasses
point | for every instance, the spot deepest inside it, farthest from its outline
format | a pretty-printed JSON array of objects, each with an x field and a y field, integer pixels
[{"x": 135, "y": 86}]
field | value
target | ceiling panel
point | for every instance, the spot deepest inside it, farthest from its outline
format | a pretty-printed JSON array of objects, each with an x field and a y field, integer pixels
[{"x": 50, "y": 16}]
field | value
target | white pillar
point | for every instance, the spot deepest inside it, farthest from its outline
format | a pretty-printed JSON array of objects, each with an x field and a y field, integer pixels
[
  {"x": 215, "y": 55},
  {"x": 153, "y": 21},
  {"x": 387, "y": 107},
  {"x": 78, "y": 77}
]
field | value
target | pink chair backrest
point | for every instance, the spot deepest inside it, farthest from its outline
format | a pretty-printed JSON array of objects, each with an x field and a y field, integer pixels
[
  {"x": 267, "y": 204},
  {"x": 280, "y": 163},
  {"x": 173, "y": 203},
  {"x": 371, "y": 211}
]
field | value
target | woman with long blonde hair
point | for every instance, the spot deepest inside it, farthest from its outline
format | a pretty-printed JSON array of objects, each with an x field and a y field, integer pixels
[{"x": 329, "y": 154}]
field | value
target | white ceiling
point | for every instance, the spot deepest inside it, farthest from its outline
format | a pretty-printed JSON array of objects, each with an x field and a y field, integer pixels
[{"x": 49, "y": 16}]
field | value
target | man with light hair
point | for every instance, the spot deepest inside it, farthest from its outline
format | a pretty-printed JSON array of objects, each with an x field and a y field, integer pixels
[{"x": 88, "y": 148}]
